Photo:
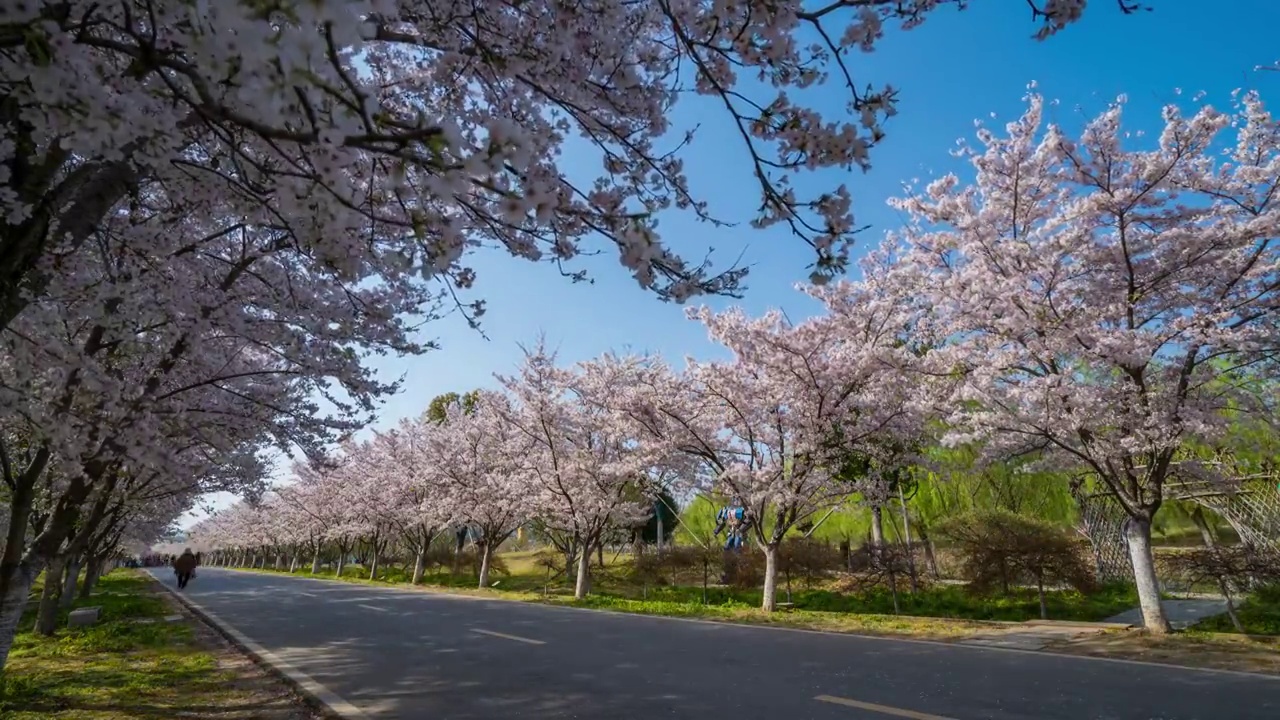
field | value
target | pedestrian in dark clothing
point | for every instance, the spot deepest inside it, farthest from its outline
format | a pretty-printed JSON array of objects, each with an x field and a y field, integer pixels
[{"x": 185, "y": 568}]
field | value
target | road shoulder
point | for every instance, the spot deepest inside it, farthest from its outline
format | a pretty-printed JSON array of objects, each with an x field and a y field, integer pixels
[
  {"x": 321, "y": 699},
  {"x": 145, "y": 658}
]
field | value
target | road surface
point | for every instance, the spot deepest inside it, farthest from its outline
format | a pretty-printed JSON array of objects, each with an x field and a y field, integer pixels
[{"x": 412, "y": 655}]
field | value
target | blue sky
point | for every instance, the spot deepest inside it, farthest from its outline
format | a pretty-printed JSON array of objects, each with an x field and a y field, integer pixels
[{"x": 955, "y": 68}]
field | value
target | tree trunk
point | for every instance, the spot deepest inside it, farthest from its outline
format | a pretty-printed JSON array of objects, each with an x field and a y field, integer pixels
[
  {"x": 1197, "y": 517},
  {"x": 91, "y": 575},
  {"x": 906, "y": 536},
  {"x": 47, "y": 618},
  {"x": 315, "y": 561},
  {"x": 877, "y": 526},
  {"x": 12, "y": 606},
  {"x": 342, "y": 561},
  {"x": 600, "y": 554},
  {"x": 486, "y": 555},
  {"x": 583, "y": 585},
  {"x": 419, "y": 565},
  {"x": 293, "y": 564},
  {"x": 373, "y": 566},
  {"x": 69, "y": 585},
  {"x": 770, "y": 601},
  {"x": 1044, "y": 608},
  {"x": 1138, "y": 534}
]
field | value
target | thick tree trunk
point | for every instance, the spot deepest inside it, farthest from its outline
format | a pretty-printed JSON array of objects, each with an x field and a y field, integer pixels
[
  {"x": 293, "y": 564},
  {"x": 419, "y": 565},
  {"x": 1138, "y": 534},
  {"x": 373, "y": 566},
  {"x": 342, "y": 561},
  {"x": 770, "y": 601},
  {"x": 12, "y": 606},
  {"x": 486, "y": 555},
  {"x": 47, "y": 617},
  {"x": 583, "y": 584},
  {"x": 69, "y": 584},
  {"x": 315, "y": 562}
]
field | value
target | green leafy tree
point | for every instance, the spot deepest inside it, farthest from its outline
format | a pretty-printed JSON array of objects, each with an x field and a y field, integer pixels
[{"x": 438, "y": 410}]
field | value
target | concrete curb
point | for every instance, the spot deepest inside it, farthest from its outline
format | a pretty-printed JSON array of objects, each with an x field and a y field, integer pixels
[{"x": 318, "y": 696}]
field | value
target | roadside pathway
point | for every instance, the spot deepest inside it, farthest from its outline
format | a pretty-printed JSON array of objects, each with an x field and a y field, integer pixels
[{"x": 1181, "y": 613}]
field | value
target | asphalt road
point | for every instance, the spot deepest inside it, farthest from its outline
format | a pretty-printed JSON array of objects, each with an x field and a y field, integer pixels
[{"x": 412, "y": 655}]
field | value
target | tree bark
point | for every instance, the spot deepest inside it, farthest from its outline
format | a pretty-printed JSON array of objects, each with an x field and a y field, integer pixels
[
  {"x": 91, "y": 575},
  {"x": 69, "y": 584},
  {"x": 770, "y": 600},
  {"x": 13, "y": 604},
  {"x": 583, "y": 584},
  {"x": 293, "y": 563},
  {"x": 1138, "y": 534},
  {"x": 1197, "y": 517},
  {"x": 906, "y": 536},
  {"x": 315, "y": 562},
  {"x": 342, "y": 561},
  {"x": 877, "y": 526},
  {"x": 1044, "y": 608},
  {"x": 373, "y": 566},
  {"x": 486, "y": 554},
  {"x": 47, "y": 617},
  {"x": 419, "y": 565}
]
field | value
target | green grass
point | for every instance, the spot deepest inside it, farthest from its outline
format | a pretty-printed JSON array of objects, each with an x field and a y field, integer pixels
[
  {"x": 116, "y": 669},
  {"x": 1260, "y": 615},
  {"x": 612, "y": 589}
]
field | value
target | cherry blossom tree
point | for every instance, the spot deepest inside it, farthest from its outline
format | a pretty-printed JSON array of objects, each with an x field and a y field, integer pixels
[
  {"x": 94, "y": 377},
  {"x": 479, "y": 460},
  {"x": 1104, "y": 303},
  {"x": 425, "y": 508},
  {"x": 762, "y": 423},
  {"x": 586, "y": 458},
  {"x": 397, "y": 128}
]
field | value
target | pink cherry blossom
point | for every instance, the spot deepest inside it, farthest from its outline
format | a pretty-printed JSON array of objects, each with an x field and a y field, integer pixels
[{"x": 1104, "y": 305}]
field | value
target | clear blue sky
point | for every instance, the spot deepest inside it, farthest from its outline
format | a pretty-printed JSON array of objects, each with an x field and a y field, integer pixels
[{"x": 957, "y": 67}]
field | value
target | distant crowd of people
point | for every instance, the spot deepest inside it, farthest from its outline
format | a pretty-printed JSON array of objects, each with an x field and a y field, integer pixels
[{"x": 163, "y": 560}]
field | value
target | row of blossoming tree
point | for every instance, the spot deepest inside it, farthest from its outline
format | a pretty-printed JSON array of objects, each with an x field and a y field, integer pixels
[
  {"x": 211, "y": 212},
  {"x": 1104, "y": 309}
]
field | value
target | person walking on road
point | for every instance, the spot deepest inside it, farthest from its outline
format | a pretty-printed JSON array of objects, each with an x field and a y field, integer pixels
[{"x": 184, "y": 566}]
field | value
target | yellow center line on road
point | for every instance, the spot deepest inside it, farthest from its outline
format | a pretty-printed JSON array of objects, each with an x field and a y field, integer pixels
[
  {"x": 883, "y": 709},
  {"x": 517, "y": 638}
]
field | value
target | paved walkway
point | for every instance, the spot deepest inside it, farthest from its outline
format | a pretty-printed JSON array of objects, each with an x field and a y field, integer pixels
[{"x": 1181, "y": 613}]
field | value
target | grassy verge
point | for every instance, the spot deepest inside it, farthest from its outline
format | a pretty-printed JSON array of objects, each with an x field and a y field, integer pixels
[
  {"x": 123, "y": 668},
  {"x": 1260, "y": 615},
  {"x": 939, "y": 607},
  {"x": 1190, "y": 648}
]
